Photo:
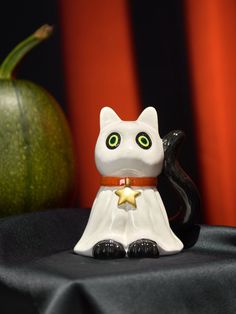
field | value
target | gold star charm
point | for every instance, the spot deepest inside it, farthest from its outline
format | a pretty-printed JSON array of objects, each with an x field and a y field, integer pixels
[{"x": 128, "y": 195}]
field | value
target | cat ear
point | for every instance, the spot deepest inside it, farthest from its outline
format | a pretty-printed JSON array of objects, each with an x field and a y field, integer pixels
[
  {"x": 149, "y": 116},
  {"x": 108, "y": 116}
]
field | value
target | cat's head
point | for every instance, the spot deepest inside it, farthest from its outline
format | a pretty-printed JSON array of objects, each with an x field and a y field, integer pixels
[{"x": 129, "y": 148}]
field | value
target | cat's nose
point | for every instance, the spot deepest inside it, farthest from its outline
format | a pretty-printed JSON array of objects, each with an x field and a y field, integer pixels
[{"x": 130, "y": 148}]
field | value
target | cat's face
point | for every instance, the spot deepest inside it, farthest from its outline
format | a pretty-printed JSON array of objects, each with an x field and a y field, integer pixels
[{"x": 129, "y": 148}]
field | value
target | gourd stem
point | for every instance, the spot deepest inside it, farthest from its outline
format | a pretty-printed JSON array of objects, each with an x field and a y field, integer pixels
[{"x": 15, "y": 56}]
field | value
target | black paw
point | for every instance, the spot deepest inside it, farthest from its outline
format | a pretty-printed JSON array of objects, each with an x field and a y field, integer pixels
[
  {"x": 108, "y": 249},
  {"x": 143, "y": 248}
]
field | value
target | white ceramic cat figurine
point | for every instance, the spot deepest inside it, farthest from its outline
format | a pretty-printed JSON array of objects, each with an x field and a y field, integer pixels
[{"x": 128, "y": 217}]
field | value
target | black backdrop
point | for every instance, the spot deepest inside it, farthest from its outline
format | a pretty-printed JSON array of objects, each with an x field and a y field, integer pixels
[
  {"x": 161, "y": 57},
  {"x": 43, "y": 65},
  {"x": 159, "y": 34}
]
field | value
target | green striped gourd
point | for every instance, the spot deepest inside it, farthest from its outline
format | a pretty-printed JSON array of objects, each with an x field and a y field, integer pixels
[{"x": 36, "y": 153}]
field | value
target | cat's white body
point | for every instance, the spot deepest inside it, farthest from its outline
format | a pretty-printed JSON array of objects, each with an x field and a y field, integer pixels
[{"x": 125, "y": 223}]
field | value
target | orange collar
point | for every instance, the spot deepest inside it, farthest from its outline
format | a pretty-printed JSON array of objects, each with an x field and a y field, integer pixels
[{"x": 129, "y": 181}]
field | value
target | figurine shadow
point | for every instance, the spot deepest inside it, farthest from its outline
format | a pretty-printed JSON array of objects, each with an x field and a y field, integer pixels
[{"x": 189, "y": 236}]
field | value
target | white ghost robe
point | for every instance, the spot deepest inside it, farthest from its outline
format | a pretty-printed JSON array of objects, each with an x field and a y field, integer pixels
[{"x": 126, "y": 224}]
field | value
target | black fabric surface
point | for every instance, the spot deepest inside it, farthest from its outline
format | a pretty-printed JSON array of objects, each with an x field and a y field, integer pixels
[{"x": 39, "y": 273}]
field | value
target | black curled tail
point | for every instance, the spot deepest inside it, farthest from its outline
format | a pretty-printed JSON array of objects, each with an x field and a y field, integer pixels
[{"x": 180, "y": 181}]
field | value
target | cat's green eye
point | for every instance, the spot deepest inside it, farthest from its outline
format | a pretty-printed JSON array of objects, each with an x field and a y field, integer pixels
[
  {"x": 113, "y": 140},
  {"x": 143, "y": 140}
]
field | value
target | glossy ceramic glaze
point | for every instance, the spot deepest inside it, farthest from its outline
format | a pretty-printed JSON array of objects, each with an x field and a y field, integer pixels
[{"x": 135, "y": 229}]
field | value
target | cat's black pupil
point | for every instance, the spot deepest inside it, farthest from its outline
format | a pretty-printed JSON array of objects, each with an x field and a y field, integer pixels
[
  {"x": 113, "y": 139},
  {"x": 144, "y": 140}
]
